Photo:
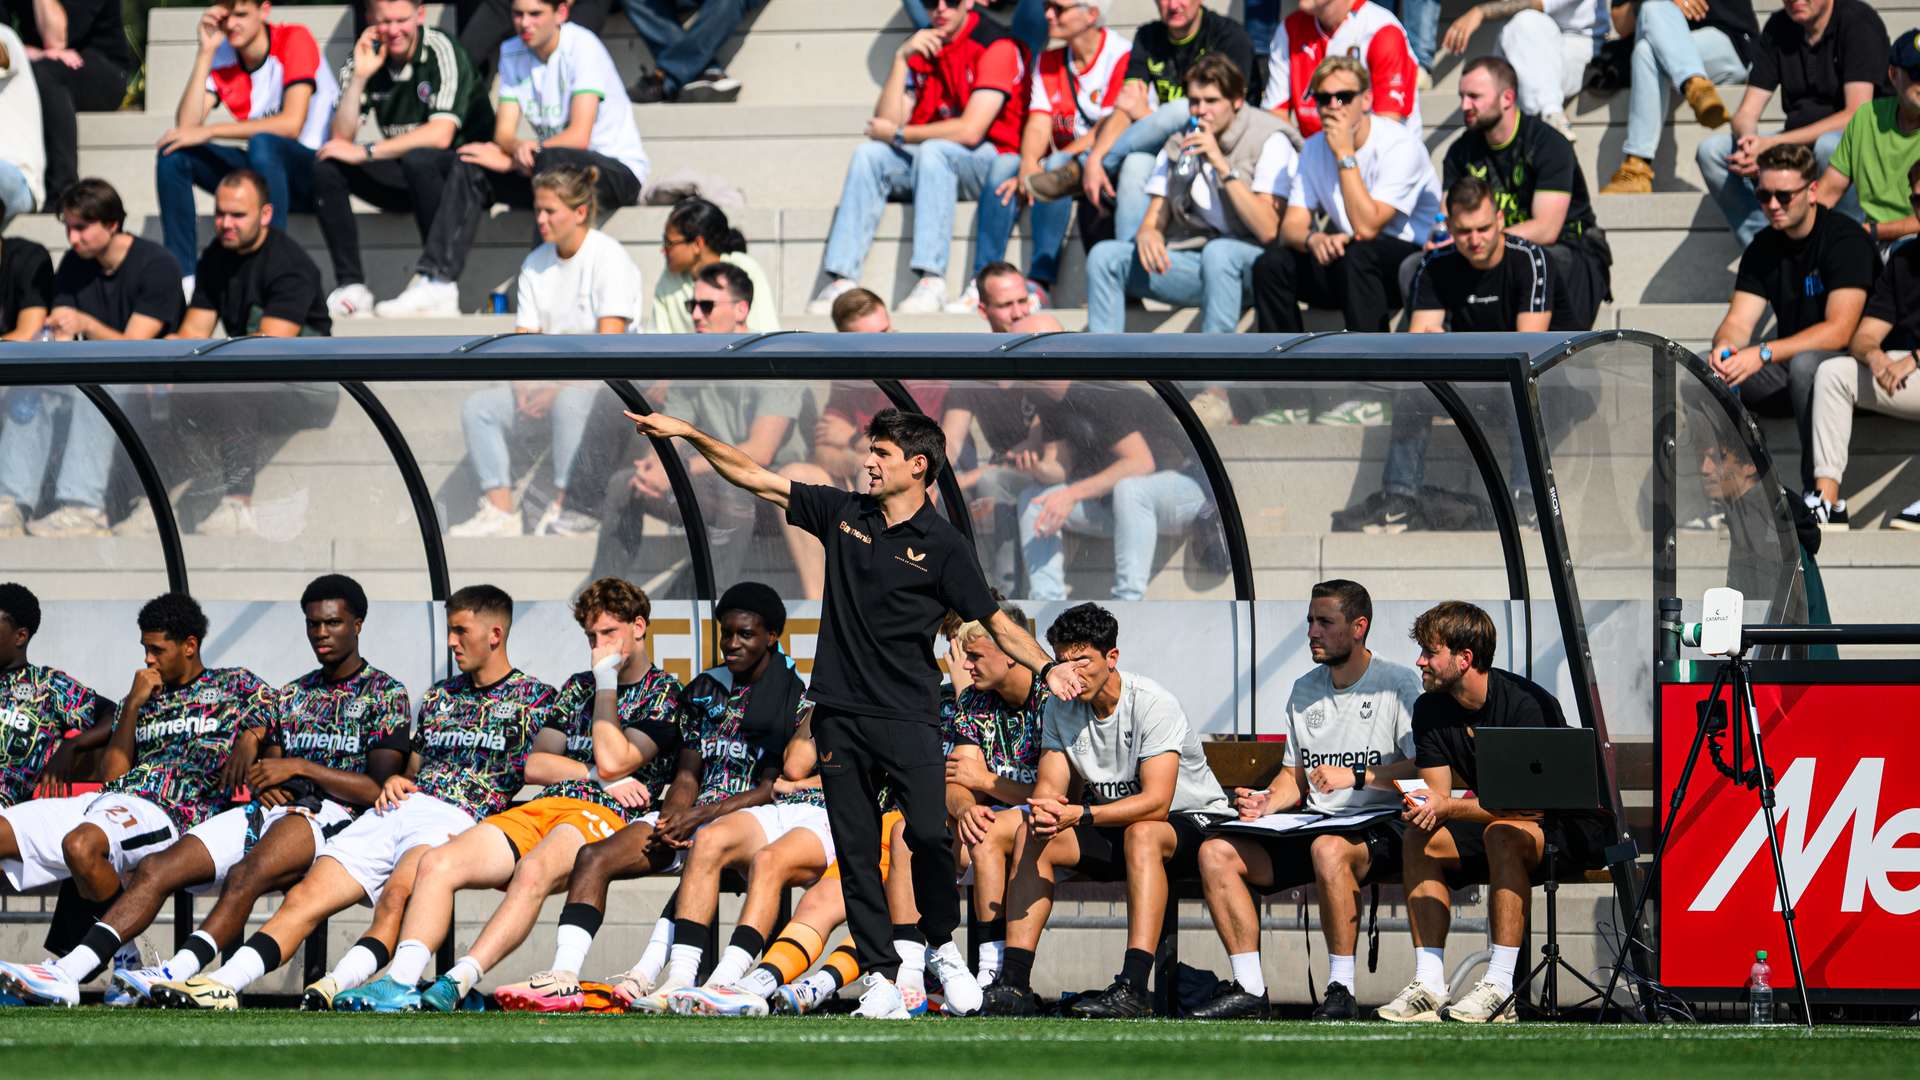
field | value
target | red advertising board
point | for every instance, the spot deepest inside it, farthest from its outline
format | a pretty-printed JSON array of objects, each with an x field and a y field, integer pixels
[{"x": 1847, "y": 763}]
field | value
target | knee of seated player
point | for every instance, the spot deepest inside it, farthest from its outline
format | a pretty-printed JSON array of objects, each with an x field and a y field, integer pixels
[
  {"x": 84, "y": 848},
  {"x": 1219, "y": 859},
  {"x": 1335, "y": 858},
  {"x": 1147, "y": 843}
]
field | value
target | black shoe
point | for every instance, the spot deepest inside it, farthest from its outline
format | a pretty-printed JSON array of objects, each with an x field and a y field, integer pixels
[
  {"x": 649, "y": 89},
  {"x": 1396, "y": 514},
  {"x": 1350, "y": 518},
  {"x": 1234, "y": 1003},
  {"x": 1118, "y": 1002},
  {"x": 1337, "y": 1005},
  {"x": 714, "y": 86},
  {"x": 1005, "y": 999}
]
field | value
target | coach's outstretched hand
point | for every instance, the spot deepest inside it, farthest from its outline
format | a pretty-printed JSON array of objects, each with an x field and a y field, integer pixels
[
  {"x": 1065, "y": 681},
  {"x": 660, "y": 426}
]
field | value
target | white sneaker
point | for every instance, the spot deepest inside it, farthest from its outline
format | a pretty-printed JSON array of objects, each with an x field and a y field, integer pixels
[
  {"x": 716, "y": 1001},
  {"x": 139, "y": 982},
  {"x": 801, "y": 998},
  {"x": 962, "y": 990},
  {"x": 70, "y": 522},
  {"x": 1212, "y": 410},
  {"x": 232, "y": 517},
  {"x": 1477, "y": 1005},
  {"x": 350, "y": 302},
  {"x": 489, "y": 521},
  {"x": 661, "y": 1000},
  {"x": 834, "y": 289},
  {"x": 881, "y": 1000},
  {"x": 39, "y": 984},
  {"x": 968, "y": 304},
  {"x": 1354, "y": 414},
  {"x": 139, "y": 520},
  {"x": 1414, "y": 1005},
  {"x": 424, "y": 297},
  {"x": 929, "y": 297},
  {"x": 12, "y": 522},
  {"x": 1558, "y": 121},
  {"x": 125, "y": 959}
]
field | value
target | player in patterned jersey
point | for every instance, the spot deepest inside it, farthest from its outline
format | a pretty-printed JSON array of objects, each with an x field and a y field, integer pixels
[
  {"x": 185, "y": 738},
  {"x": 316, "y": 772},
  {"x": 609, "y": 737},
  {"x": 735, "y": 720},
  {"x": 470, "y": 740},
  {"x": 46, "y": 716}
]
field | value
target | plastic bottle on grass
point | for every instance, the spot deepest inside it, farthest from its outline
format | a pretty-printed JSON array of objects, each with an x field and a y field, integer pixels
[{"x": 1760, "y": 990}]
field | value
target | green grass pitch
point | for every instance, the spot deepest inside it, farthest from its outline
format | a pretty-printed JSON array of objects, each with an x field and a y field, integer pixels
[{"x": 280, "y": 1045}]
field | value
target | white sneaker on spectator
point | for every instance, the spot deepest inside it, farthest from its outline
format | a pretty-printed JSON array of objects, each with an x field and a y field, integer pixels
[
  {"x": 929, "y": 297},
  {"x": 489, "y": 521},
  {"x": 350, "y": 302},
  {"x": 1558, "y": 121},
  {"x": 423, "y": 297},
  {"x": 1212, "y": 409},
  {"x": 233, "y": 517},
  {"x": 968, "y": 303},
  {"x": 12, "y": 522},
  {"x": 70, "y": 522},
  {"x": 1354, "y": 414},
  {"x": 557, "y": 520},
  {"x": 713, "y": 85},
  {"x": 186, "y": 286},
  {"x": 139, "y": 520},
  {"x": 834, "y": 289}
]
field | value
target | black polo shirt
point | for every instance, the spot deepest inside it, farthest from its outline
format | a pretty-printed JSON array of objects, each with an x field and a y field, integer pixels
[{"x": 887, "y": 590}]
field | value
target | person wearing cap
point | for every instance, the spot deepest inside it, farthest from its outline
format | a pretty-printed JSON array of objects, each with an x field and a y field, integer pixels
[
  {"x": 1881, "y": 142},
  {"x": 895, "y": 567}
]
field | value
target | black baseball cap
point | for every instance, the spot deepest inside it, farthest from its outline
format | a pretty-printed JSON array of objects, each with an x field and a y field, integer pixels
[{"x": 1905, "y": 52}]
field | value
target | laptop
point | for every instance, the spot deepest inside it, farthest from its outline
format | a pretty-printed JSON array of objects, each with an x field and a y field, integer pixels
[{"x": 1537, "y": 768}]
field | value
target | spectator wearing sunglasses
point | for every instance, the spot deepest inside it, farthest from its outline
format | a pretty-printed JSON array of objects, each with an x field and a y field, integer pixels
[
  {"x": 721, "y": 301},
  {"x": 697, "y": 235},
  {"x": 1881, "y": 142},
  {"x": 1813, "y": 267}
]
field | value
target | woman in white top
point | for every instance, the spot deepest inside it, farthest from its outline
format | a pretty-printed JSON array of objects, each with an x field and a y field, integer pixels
[
  {"x": 696, "y": 236},
  {"x": 580, "y": 281}
]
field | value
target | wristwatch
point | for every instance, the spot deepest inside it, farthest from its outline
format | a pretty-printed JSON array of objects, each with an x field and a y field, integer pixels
[
  {"x": 1359, "y": 777},
  {"x": 1349, "y": 162},
  {"x": 899, "y": 139},
  {"x": 1766, "y": 353},
  {"x": 1232, "y": 175}
]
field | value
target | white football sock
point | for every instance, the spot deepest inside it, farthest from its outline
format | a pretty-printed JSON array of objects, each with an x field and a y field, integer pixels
[
  {"x": 684, "y": 964},
  {"x": 1340, "y": 970},
  {"x": 570, "y": 947},
  {"x": 241, "y": 971},
  {"x": 1500, "y": 968},
  {"x": 760, "y": 982},
  {"x": 1430, "y": 968},
  {"x": 409, "y": 962},
  {"x": 466, "y": 972},
  {"x": 354, "y": 969},
  {"x": 733, "y": 964},
  {"x": 992, "y": 956},
  {"x": 654, "y": 957},
  {"x": 79, "y": 963},
  {"x": 186, "y": 963},
  {"x": 1246, "y": 972}
]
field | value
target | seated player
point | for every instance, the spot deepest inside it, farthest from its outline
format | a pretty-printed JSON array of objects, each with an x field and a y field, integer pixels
[
  {"x": 613, "y": 737},
  {"x": 317, "y": 770},
  {"x": 995, "y": 735},
  {"x": 1349, "y": 737},
  {"x": 1454, "y": 839},
  {"x": 735, "y": 720},
  {"x": 185, "y": 738},
  {"x": 49, "y": 717},
  {"x": 1147, "y": 797},
  {"x": 471, "y": 737}
]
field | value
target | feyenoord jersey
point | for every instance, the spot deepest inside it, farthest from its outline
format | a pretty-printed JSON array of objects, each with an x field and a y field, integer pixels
[
  {"x": 1008, "y": 735},
  {"x": 473, "y": 741},
  {"x": 649, "y": 706},
  {"x": 333, "y": 725},
  {"x": 712, "y": 712},
  {"x": 183, "y": 736},
  {"x": 38, "y": 707}
]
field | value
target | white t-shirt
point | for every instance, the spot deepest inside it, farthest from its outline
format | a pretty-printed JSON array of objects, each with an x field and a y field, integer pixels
[
  {"x": 1106, "y": 754},
  {"x": 20, "y": 104},
  {"x": 1272, "y": 175},
  {"x": 570, "y": 296},
  {"x": 1588, "y": 17},
  {"x": 1368, "y": 724},
  {"x": 1395, "y": 168},
  {"x": 544, "y": 91}
]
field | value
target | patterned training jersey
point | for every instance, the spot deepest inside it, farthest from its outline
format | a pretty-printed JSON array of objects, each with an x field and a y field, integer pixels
[
  {"x": 39, "y": 707},
  {"x": 711, "y": 713},
  {"x": 183, "y": 736},
  {"x": 1008, "y": 736},
  {"x": 473, "y": 740},
  {"x": 650, "y": 707},
  {"x": 335, "y": 724}
]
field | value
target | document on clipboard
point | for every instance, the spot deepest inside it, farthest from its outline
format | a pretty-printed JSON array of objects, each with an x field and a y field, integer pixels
[{"x": 1309, "y": 823}]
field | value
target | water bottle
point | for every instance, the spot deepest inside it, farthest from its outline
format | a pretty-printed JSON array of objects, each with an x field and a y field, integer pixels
[
  {"x": 1760, "y": 990},
  {"x": 160, "y": 403},
  {"x": 1189, "y": 161},
  {"x": 1439, "y": 235}
]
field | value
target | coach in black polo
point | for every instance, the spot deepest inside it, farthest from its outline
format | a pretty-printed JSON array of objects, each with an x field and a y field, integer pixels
[{"x": 895, "y": 567}]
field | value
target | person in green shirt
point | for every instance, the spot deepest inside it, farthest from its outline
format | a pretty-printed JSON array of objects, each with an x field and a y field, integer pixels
[
  {"x": 423, "y": 93},
  {"x": 696, "y": 236},
  {"x": 1881, "y": 142}
]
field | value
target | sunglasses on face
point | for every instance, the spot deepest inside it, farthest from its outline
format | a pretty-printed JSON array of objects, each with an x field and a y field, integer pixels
[
  {"x": 704, "y": 307},
  {"x": 1783, "y": 196},
  {"x": 1324, "y": 98},
  {"x": 938, "y": 4}
]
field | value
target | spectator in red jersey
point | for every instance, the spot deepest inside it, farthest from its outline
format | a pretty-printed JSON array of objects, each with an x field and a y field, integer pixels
[
  {"x": 280, "y": 93},
  {"x": 953, "y": 102},
  {"x": 1073, "y": 89},
  {"x": 1359, "y": 29}
]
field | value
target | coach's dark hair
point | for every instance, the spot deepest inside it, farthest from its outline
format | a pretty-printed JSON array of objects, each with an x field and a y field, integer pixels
[
  {"x": 694, "y": 218},
  {"x": 1215, "y": 70},
  {"x": 1085, "y": 624},
  {"x": 482, "y": 600},
  {"x": 1468, "y": 193},
  {"x": 1503, "y": 74},
  {"x": 1460, "y": 627},
  {"x": 915, "y": 435},
  {"x": 176, "y": 615},
  {"x": 1355, "y": 601},
  {"x": 725, "y": 275},
  {"x": 336, "y": 587},
  {"x": 94, "y": 202},
  {"x": 251, "y": 179},
  {"x": 20, "y": 606}
]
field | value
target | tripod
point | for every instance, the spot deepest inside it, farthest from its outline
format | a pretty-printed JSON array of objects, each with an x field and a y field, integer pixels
[
  {"x": 1550, "y": 959},
  {"x": 1736, "y": 675}
]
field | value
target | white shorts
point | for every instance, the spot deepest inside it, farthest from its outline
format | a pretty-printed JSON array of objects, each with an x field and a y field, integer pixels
[
  {"x": 135, "y": 829},
  {"x": 778, "y": 819},
  {"x": 652, "y": 820},
  {"x": 371, "y": 847},
  {"x": 226, "y": 835}
]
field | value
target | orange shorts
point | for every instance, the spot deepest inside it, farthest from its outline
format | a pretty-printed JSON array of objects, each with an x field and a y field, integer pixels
[
  {"x": 527, "y": 825},
  {"x": 887, "y": 821}
]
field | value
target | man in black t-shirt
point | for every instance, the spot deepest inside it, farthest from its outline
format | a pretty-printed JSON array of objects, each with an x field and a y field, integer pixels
[
  {"x": 1812, "y": 267},
  {"x": 26, "y": 291},
  {"x": 1537, "y": 184},
  {"x": 1826, "y": 58},
  {"x": 88, "y": 73},
  {"x": 1454, "y": 840},
  {"x": 26, "y": 288}
]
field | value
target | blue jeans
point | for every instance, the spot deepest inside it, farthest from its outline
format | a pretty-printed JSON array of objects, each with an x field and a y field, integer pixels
[
  {"x": 1029, "y": 24},
  {"x": 1140, "y": 511},
  {"x": 26, "y": 444},
  {"x": 1422, "y": 20},
  {"x": 934, "y": 175},
  {"x": 1214, "y": 279},
  {"x": 1133, "y": 155},
  {"x": 1406, "y": 466},
  {"x": 1046, "y": 221},
  {"x": 285, "y": 163},
  {"x": 681, "y": 53},
  {"x": 490, "y": 414},
  {"x": 16, "y": 197},
  {"x": 1735, "y": 193},
  {"x": 1665, "y": 55}
]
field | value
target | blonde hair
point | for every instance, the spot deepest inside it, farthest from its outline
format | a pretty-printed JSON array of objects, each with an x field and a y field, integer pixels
[
  {"x": 1347, "y": 64},
  {"x": 574, "y": 185}
]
